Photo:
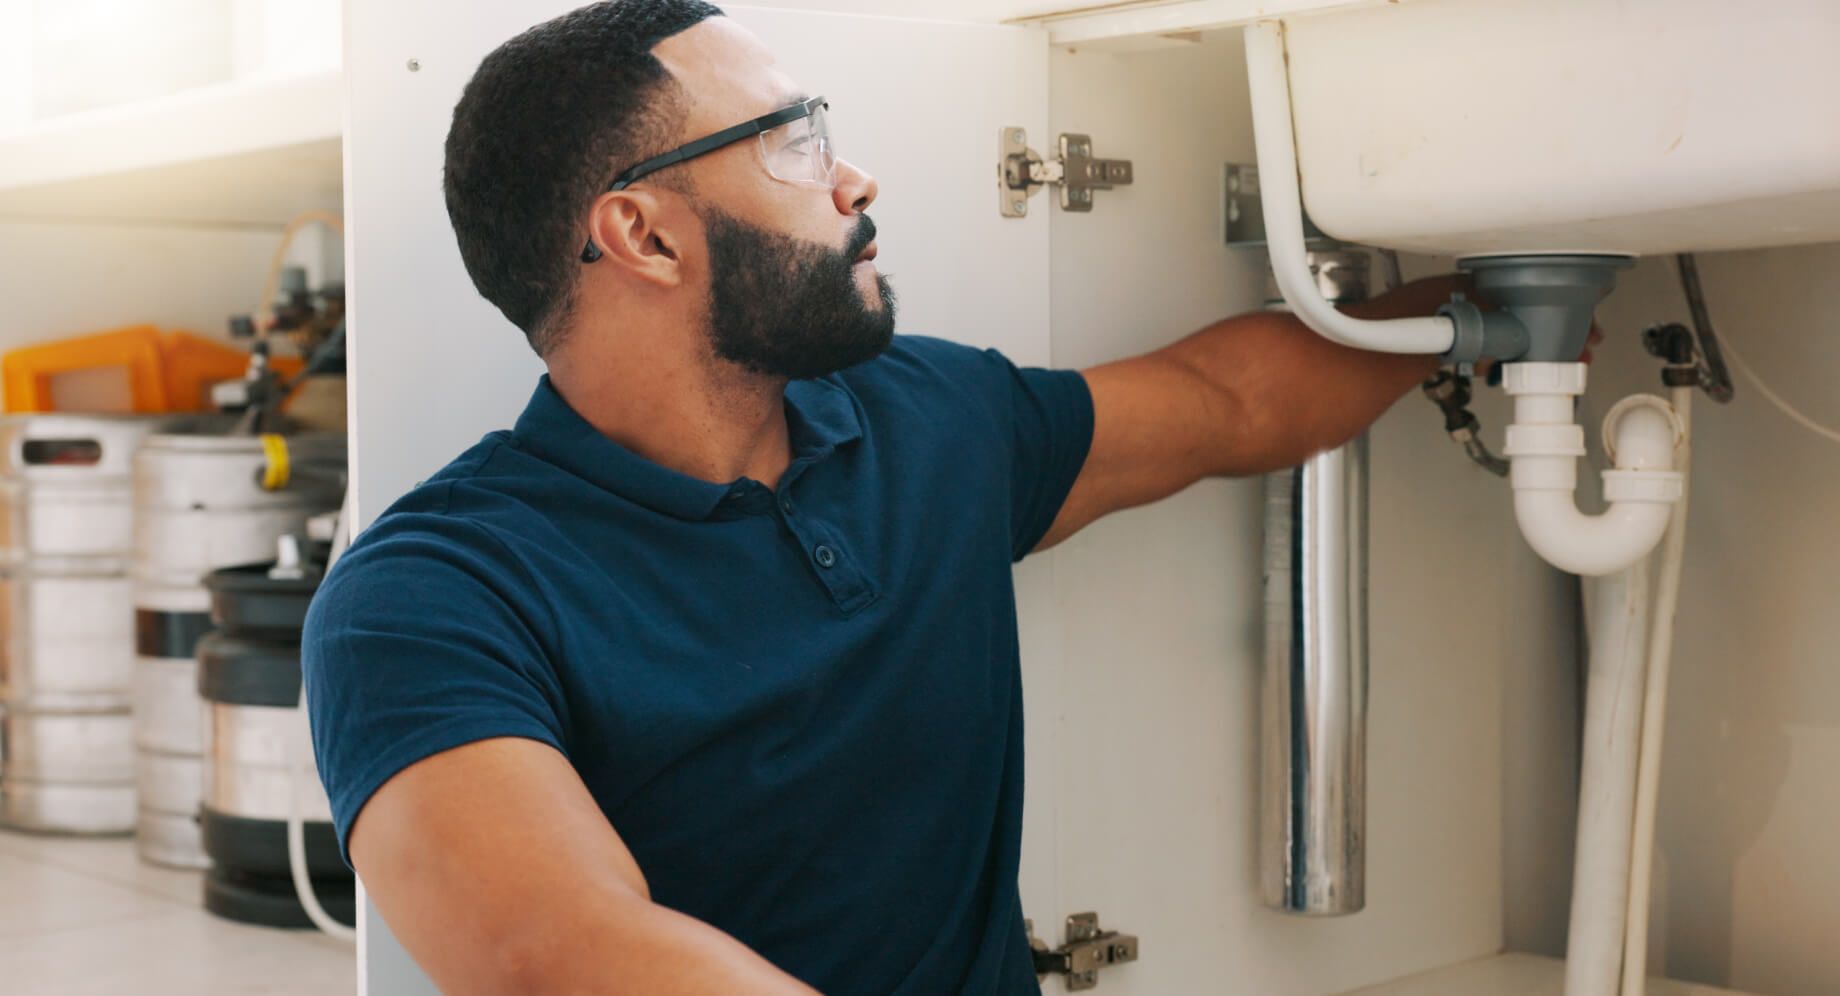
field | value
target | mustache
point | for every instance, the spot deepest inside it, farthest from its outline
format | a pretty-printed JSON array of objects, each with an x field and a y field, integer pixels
[{"x": 860, "y": 237}]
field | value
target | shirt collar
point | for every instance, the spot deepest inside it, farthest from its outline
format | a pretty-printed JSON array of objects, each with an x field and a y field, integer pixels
[{"x": 821, "y": 416}]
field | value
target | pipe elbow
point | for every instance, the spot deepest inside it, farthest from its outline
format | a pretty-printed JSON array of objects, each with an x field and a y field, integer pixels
[
  {"x": 1641, "y": 433},
  {"x": 1275, "y": 143},
  {"x": 1589, "y": 545}
]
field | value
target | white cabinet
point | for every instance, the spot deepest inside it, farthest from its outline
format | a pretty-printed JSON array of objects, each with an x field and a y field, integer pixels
[
  {"x": 237, "y": 154},
  {"x": 1140, "y": 636},
  {"x": 204, "y": 113}
]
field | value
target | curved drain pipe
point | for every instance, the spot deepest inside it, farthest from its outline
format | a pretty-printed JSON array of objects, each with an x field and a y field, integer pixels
[
  {"x": 1275, "y": 142},
  {"x": 1544, "y": 444}
]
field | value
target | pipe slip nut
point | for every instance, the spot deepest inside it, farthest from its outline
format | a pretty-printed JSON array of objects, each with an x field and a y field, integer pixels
[
  {"x": 1543, "y": 474},
  {"x": 1544, "y": 378},
  {"x": 1653, "y": 487},
  {"x": 1544, "y": 440}
]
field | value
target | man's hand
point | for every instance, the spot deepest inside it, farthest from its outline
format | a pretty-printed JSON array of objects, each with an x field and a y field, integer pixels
[
  {"x": 1244, "y": 396},
  {"x": 1591, "y": 342}
]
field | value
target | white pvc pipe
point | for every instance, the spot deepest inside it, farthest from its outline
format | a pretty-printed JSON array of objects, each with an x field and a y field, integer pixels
[
  {"x": 1587, "y": 545},
  {"x": 1654, "y": 715},
  {"x": 1606, "y": 792},
  {"x": 300, "y": 759},
  {"x": 1642, "y": 432},
  {"x": 1544, "y": 444},
  {"x": 1279, "y": 196}
]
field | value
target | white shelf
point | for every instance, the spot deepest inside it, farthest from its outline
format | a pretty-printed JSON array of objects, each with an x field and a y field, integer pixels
[
  {"x": 248, "y": 153},
  {"x": 1513, "y": 975}
]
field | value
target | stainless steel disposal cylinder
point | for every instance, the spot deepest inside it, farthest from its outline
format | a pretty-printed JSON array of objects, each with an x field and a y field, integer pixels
[{"x": 1313, "y": 855}]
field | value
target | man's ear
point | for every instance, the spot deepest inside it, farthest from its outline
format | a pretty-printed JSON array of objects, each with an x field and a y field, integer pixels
[{"x": 636, "y": 230}]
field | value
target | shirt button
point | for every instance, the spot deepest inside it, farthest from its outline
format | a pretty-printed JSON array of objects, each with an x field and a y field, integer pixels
[
  {"x": 826, "y": 556},
  {"x": 785, "y": 504}
]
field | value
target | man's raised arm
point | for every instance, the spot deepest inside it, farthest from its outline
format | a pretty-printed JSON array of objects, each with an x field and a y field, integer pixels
[{"x": 1243, "y": 396}]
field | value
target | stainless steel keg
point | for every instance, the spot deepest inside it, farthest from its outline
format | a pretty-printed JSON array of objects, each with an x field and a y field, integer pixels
[
  {"x": 249, "y": 672},
  {"x": 200, "y": 505},
  {"x": 66, "y": 635}
]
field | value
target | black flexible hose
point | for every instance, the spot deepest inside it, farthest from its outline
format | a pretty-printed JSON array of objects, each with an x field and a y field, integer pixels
[{"x": 1714, "y": 378}]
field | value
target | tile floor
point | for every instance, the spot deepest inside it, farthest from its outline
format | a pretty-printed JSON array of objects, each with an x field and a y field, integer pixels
[{"x": 84, "y": 917}]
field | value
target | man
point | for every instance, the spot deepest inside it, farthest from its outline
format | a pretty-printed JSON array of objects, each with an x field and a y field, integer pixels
[{"x": 704, "y": 677}]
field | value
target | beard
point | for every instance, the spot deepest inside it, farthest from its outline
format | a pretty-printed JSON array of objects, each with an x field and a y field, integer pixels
[{"x": 784, "y": 307}]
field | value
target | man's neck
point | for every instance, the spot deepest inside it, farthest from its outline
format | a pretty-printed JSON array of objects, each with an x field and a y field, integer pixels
[{"x": 703, "y": 417}]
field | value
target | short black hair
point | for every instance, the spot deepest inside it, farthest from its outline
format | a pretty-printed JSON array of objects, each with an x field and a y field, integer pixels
[{"x": 546, "y": 121}]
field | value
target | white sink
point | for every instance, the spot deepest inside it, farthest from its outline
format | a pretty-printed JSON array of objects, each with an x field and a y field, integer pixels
[{"x": 1633, "y": 126}]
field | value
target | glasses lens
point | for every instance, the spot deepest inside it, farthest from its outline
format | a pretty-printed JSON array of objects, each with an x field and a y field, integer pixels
[
  {"x": 800, "y": 151},
  {"x": 826, "y": 160}
]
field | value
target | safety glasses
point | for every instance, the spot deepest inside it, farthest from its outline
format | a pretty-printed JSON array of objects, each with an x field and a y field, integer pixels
[{"x": 795, "y": 144}]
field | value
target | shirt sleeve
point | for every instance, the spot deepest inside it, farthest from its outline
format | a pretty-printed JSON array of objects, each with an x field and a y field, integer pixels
[
  {"x": 415, "y": 645},
  {"x": 1051, "y": 419}
]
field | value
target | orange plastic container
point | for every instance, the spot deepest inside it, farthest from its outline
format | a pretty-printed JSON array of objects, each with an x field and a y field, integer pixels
[
  {"x": 29, "y": 372},
  {"x": 163, "y": 372}
]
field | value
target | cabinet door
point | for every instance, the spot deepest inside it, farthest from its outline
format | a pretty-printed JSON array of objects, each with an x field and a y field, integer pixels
[{"x": 433, "y": 366}]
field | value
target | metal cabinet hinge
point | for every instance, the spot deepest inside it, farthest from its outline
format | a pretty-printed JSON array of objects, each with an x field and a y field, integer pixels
[
  {"x": 1088, "y": 949},
  {"x": 1021, "y": 172}
]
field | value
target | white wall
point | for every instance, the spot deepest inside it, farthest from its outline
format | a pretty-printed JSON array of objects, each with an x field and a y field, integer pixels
[
  {"x": 96, "y": 53},
  {"x": 64, "y": 279},
  {"x": 15, "y": 63},
  {"x": 1748, "y": 891},
  {"x": 1473, "y": 654}
]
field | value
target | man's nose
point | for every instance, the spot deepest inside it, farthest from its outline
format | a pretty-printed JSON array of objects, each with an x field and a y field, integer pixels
[{"x": 855, "y": 189}]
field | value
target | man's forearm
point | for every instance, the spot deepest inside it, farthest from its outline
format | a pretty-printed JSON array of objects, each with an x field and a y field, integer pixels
[
  {"x": 636, "y": 946},
  {"x": 1243, "y": 396},
  {"x": 1301, "y": 393},
  {"x": 572, "y": 913}
]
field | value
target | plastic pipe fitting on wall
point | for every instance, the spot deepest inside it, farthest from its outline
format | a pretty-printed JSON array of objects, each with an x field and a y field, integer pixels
[{"x": 1544, "y": 444}]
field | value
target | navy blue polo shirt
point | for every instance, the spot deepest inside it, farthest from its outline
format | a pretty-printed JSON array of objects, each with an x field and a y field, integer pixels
[{"x": 801, "y": 710}]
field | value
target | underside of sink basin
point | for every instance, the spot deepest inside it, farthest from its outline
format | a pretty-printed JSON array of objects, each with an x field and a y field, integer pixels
[{"x": 1642, "y": 126}]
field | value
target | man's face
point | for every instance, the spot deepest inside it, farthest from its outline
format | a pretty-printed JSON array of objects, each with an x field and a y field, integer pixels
[
  {"x": 786, "y": 307},
  {"x": 793, "y": 290}
]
